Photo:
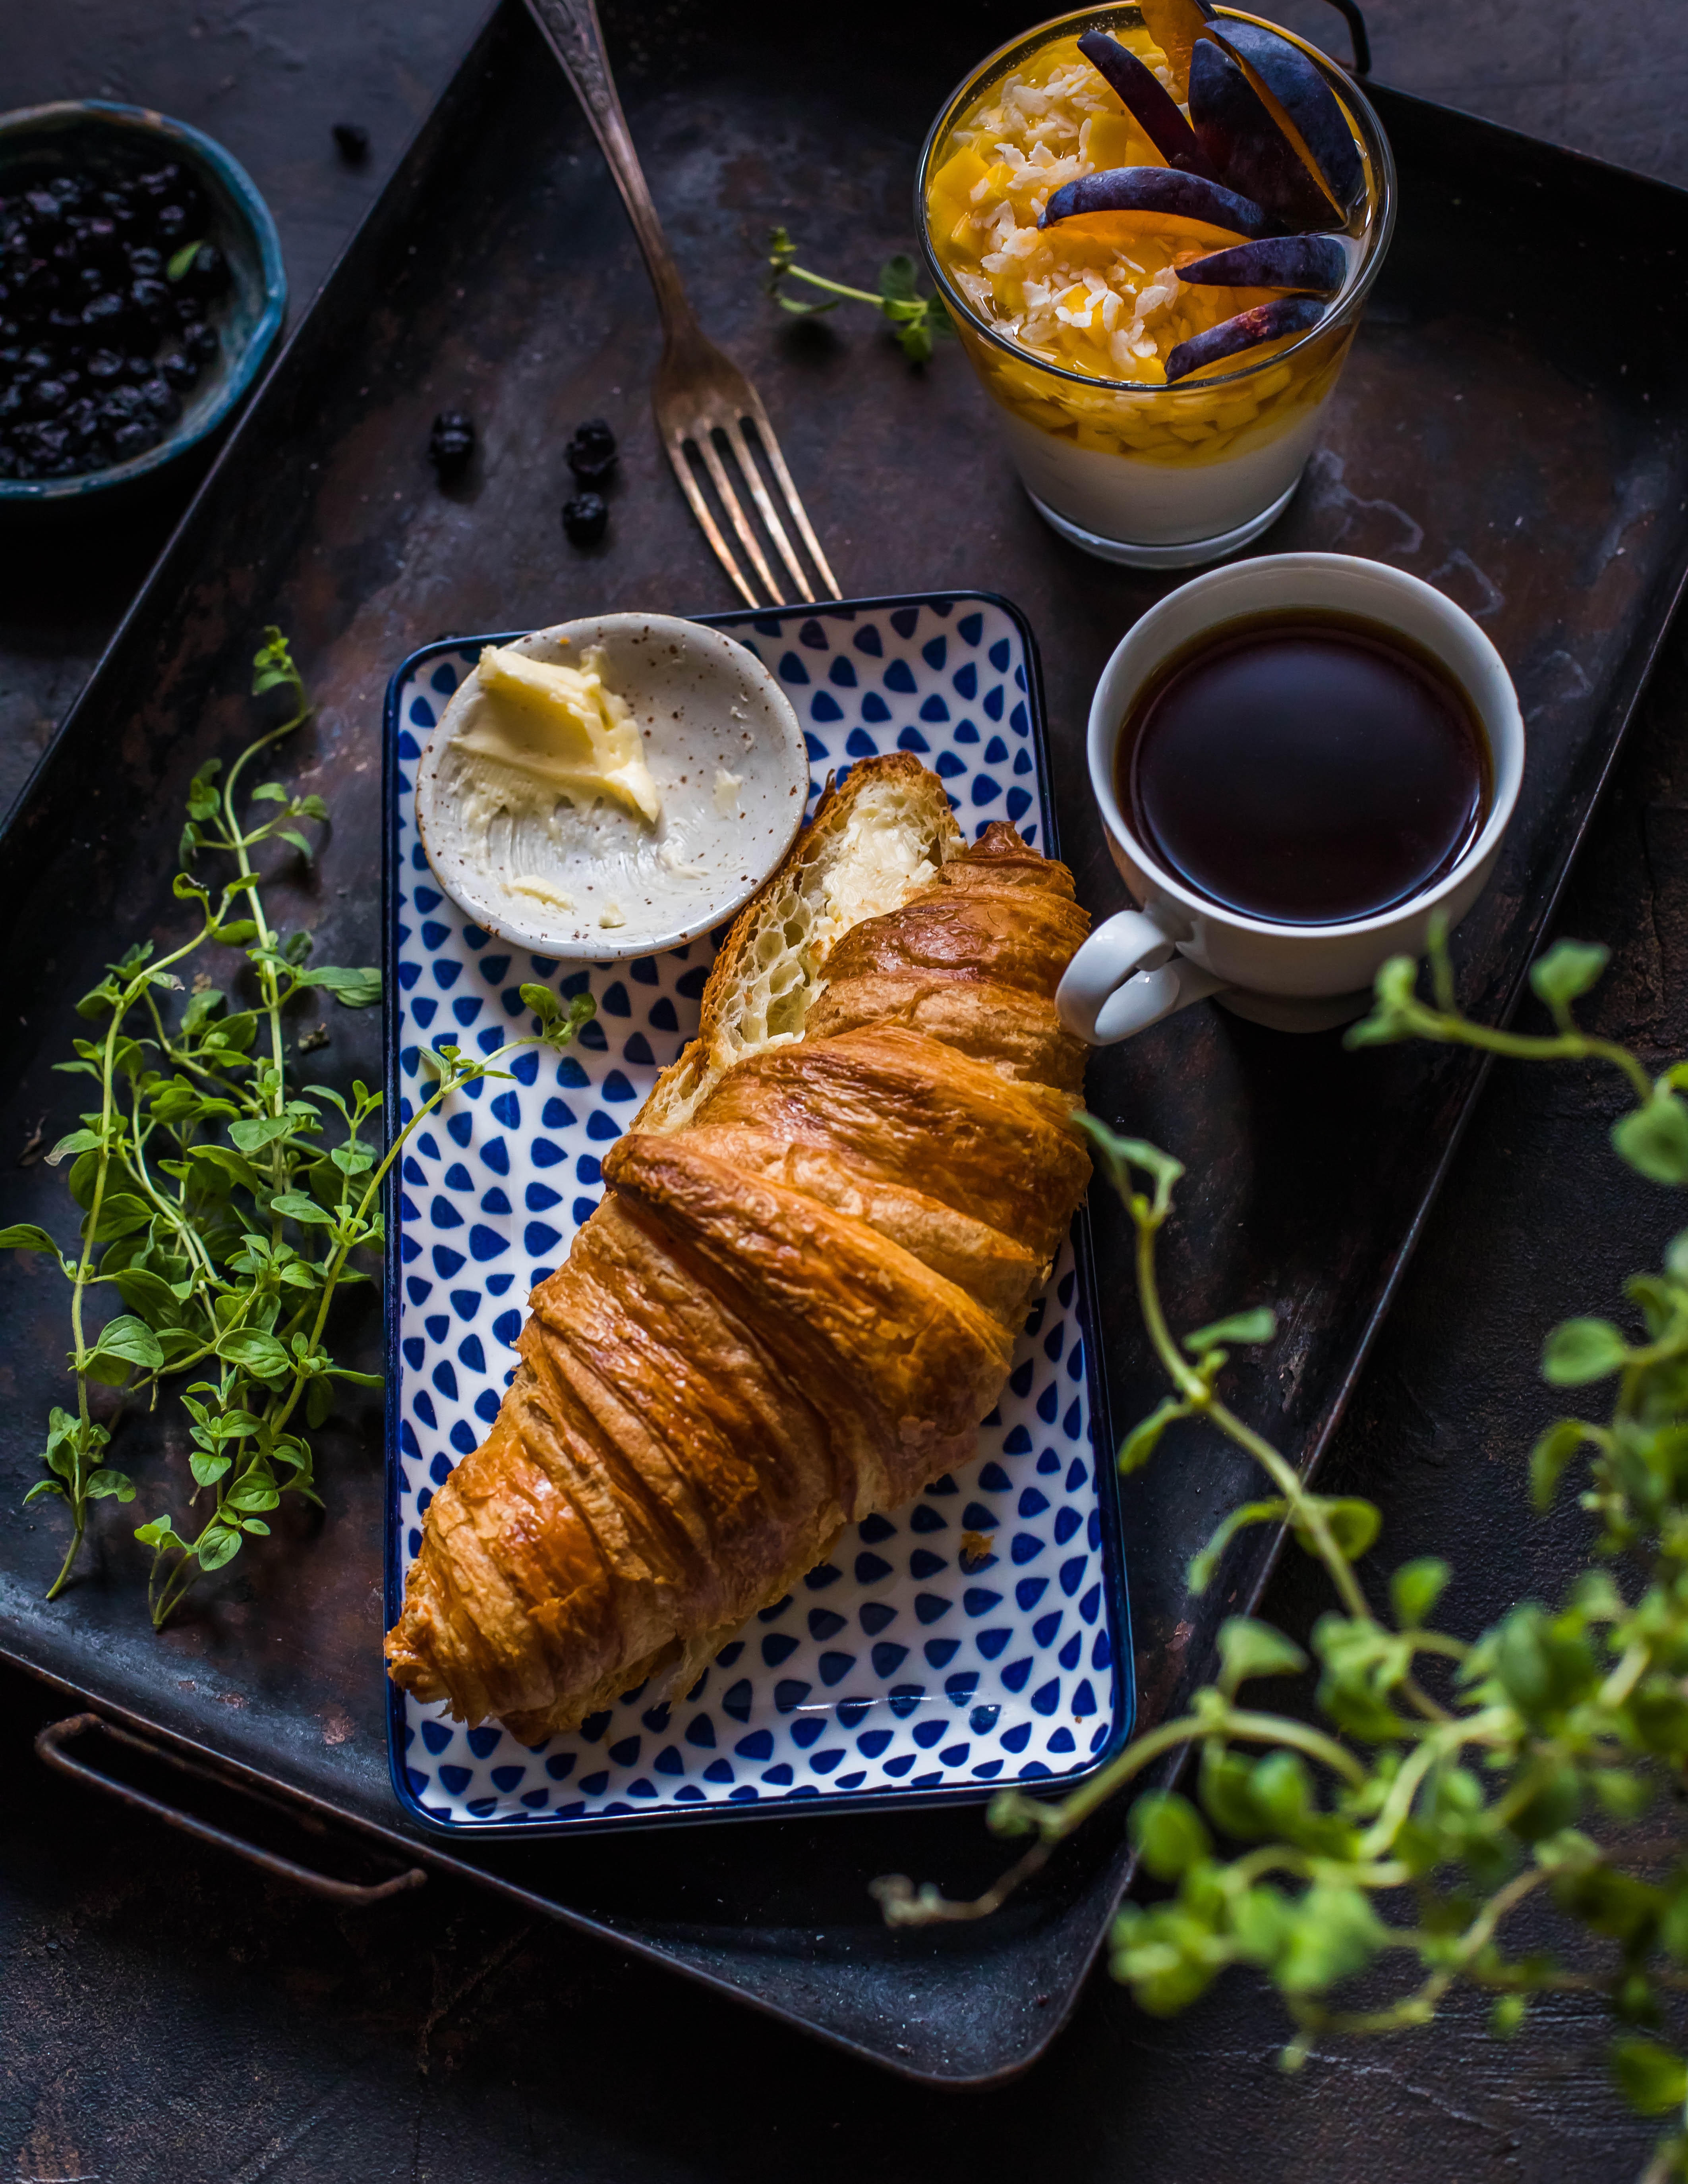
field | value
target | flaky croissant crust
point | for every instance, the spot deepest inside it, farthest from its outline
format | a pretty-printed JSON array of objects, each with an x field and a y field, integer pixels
[{"x": 788, "y": 1312}]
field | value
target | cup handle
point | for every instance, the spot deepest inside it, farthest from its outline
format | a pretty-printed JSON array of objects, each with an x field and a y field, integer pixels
[{"x": 1124, "y": 977}]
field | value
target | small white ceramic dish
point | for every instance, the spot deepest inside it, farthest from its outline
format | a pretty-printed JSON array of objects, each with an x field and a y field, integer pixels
[{"x": 726, "y": 753}]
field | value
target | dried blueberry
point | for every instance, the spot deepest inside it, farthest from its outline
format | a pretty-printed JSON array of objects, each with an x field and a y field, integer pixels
[
  {"x": 591, "y": 453},
  {"x": 208, "y": 275},
  {"x": 130, "y": 439},
  {"x": 451, "y": 443},
  {"x": 105, "y": 312},
  {"x": 105, "y": 363},
  {"x": 144, "y": 262},
  {"x": 169, "y": 224},
  {"x": 201, "y": 341},
  {"x": 586, "y": 519},
  {"x": 352, "y": 143},
  {"x": 179, "y": 369}
]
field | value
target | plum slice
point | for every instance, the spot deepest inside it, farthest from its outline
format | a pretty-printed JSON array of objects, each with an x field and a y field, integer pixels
[
  {"x": 1284, "y": 314},
  {"x": 1174, "y": 26},
  {"x": 1316, "y": 264},
  {"x": 1252, "y": 154},
  {"x": 1162, "y": 190},
  {"x": 1165, "y": 126},
  {"x": 1308, "y": 104}
]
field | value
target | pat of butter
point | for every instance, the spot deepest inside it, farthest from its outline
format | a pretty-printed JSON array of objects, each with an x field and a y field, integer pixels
[
  {"x": 541, "y": 890},
  {"x": 560, "y": 729}
]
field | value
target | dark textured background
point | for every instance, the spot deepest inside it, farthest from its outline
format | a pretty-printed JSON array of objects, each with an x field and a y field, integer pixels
[{"x": 165, "y": 2016}]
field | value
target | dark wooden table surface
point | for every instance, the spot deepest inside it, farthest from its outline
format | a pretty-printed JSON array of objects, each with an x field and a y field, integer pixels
[{"x": 166, "y": 2016}]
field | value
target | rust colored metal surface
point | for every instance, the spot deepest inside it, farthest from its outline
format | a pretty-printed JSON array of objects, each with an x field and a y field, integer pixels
[{"x": 1530, "y": 460}]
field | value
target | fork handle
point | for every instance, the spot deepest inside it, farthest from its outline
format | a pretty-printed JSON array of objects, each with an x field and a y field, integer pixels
[{"x": 571, "y": 31}]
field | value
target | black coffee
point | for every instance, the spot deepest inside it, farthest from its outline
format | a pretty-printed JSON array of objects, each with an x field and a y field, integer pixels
[{"x": 1304, "y": 768}]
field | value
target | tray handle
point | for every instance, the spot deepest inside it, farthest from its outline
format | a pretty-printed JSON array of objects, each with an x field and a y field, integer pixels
[
  {"x": 1350, "y": 12},
  {"x": 50, "y": 1744}
]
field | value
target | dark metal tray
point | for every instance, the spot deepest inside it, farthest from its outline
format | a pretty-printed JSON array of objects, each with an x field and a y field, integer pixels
[{"x": 1503, "y": 429}]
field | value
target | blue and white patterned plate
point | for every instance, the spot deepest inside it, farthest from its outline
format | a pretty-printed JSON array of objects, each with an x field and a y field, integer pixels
[{"x": 978, "y": 1637}]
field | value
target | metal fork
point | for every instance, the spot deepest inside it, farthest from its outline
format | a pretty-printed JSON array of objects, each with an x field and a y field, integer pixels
[{"x": 701, "y": 399}]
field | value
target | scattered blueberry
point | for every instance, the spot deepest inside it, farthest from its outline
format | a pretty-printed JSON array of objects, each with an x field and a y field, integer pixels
[
  {"x": 586, "y": 519},
  {"x": 592, "y": 452},
  {"x": 351, "y": 142},
  {"x": 451, "y": 443}
]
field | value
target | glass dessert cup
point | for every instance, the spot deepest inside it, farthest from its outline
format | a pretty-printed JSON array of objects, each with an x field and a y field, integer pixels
[{"x": 1134, "y": 470}]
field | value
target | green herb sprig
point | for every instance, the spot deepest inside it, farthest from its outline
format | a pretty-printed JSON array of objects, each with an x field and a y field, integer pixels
[
  {"x": 916, "y": 321},
  {"x": 224, "y": 1206},
  {"x": 1437, "y": 1783}
]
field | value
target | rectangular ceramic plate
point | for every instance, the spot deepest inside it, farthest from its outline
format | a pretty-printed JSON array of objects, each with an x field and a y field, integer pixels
[{"x": 906, "y": 1668}]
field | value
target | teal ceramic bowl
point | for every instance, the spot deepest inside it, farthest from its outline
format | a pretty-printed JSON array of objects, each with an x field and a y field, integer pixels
[{"x": 115, "y": 143}]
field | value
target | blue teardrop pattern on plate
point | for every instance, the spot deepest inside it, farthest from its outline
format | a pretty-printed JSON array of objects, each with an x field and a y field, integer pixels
[{"x": 952, "y": 1666}]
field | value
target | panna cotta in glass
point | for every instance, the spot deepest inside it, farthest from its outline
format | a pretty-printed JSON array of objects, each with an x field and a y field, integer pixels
[{"x": 1154, "y": 229}]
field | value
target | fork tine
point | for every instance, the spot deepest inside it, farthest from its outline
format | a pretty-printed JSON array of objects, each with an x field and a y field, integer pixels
[
  {"x": 741, "y": 447},
  {"x": 776, "y": 462},
  {"x": 736, "y": 515},
  {"x": 675, "y": 443}
]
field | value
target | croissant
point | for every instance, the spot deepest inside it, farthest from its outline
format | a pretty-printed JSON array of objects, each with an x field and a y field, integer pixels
[{"x": 801, "y": 1292}]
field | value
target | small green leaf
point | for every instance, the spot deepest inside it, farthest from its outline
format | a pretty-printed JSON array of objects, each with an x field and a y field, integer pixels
[
  {"x": 1259, "y": 1325},
  {"x": 1396, "y": 1011},
  {"x": 1549, "y": 1456},
  {"x": 1654, "y": 1138},
  {"x": 352, "y": 989},
  {"x": 1354, "y": 1523},
  {"x": 257, "y": 1131},
  {"x": 1169, "y": 1832},
  {"x": 1506, "y": 2020},
  {"x": 1568, "y": 971},
  {"x": 111, "y": 1485},
  {"x": 1579, "y": 1350},
  {"x": 298, "y": 1207},
  {"x": 121, "y": 1212},
  {"x": 1650, "y": 2077},
  {"x": 272, "y": 663},
  {"x": 208, "y": 1469},
  {"x": 1203, "y": 1566},
  {"x": 25, "y": 1236},
  {"x": 79, "y": 1141},
  {"x": 218, "y": 1543},
  {"x": 260, "y": 1355},
  {"x": 1144, "y": 1438},
  {"x": 1416, "y": 1587},
  {"x": 1248, "y": 1648},
  {"x": 897, "y": 281},
  {"x": 251, "y": 1495},
  {"x": 176, "y": 267},
  {"x": 161, "y": 1532},
  {"x": 126, "y": 1341}
]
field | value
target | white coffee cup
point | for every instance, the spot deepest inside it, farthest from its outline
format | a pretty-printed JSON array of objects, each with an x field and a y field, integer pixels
[{"x": 1178, "y": 947}]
